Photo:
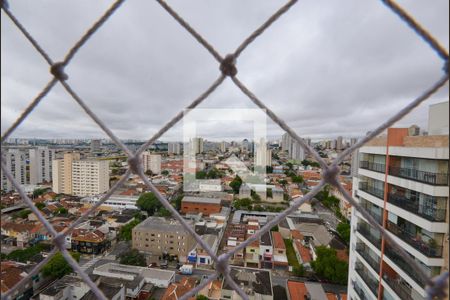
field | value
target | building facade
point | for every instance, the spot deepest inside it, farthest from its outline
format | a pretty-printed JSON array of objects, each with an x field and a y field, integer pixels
[
  {"x": 90, "y": 177},
  {"x": 62, "y": 173},
  {"x": 15, "y": 161},
  {"x": 151, "y": 162},
  {"x": 157, "y": 235},
  {"x": 403, "y": 183},
  {"x": 41, "y": 164},
  {"x": 206, "y": 206}
]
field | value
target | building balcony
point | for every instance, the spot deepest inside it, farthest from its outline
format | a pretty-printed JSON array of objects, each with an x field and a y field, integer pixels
[
  {"x": 426, "y": 249},
  {"x": 365, "y": 232},
  {"x": 398, "y": 286},
  {"x": 368, "y": 208},
  {"x": 370, "y": 282},
  {"x": 402, "y": 264},
  {"x": 365, "y": 187},
  {"x": 359, "y": 291},
  {"x": 362, "y": 250},
  {"x": 430, "y": 213},
  {"x": 420, "y": 176},
  {"x": 381, "y": 168}
]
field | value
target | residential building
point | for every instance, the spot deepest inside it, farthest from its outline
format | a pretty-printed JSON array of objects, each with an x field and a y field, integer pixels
[
  {"x": 90, "y": 177},
  {"x": 256, "y": 283},
  {"x": 178, "y": 289},
  {"x": 403, "y": 184},
  {"x": 206, "y": 206},
  {"x": 89, "y": 242},
  {"x": 266, "y": 250},
  {"x": 294, "y": 149},
  {"x": 41, "y": 164},
  {"x": 151, "y": 162},
  {"x": 223, "y": 147},
  {"x": 252, "y": 255},
  {"x": 174, "y": 148},
  {"x": 196, "y": 145},
  {"x": 157, "y": 235},
  {"x": 280, "y": 260},
  {"x": 339, "y": 143},
  {"x": 62, "y": 173},
  {"x": 96, "y": 146},
  {"x": 15, "y": 162},
  {"x": 199, "y": 256},
  {"x": 263, "y": 156},
  {"x": 312, "y": 290},
  {"x": 11, "y": 274},
  {"x": 114, "y": 201}
]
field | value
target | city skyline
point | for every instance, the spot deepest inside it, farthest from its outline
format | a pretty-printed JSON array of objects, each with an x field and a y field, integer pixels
[{"x": 316, "y": 98}]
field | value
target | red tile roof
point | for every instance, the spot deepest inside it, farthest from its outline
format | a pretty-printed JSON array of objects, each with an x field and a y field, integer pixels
[
  {"x": 278, "y": 241},
  {"x": 10, "y": 275},
  {"x": 296, "y": 235},
  {"x": 297, "y": 290},
  {"x": 331, "y": 296},
  {"x": 304, "y": 252},
  {"x": 176, "y": 290}
]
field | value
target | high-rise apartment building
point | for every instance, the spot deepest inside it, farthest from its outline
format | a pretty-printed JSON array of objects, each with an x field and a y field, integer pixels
[
  {"x": 196, "y": 145},
  {"x": 15, "y": 161},
  {"x": 339, "y": 143},
  {"x": 90, "y": 177},
  {"x": 174, "y": 148},
  {"x": 151, "y": 162},
  {"x": 41, "y": 164},
  {"x": 294, "y": 149},
  {"x": 223, "y": 147},
  {"x": 96, "y": 146},
  {"x": 62, "y": 173},
  {"x": 403, "y": 183},
  {"x": 263, "y": 156}
]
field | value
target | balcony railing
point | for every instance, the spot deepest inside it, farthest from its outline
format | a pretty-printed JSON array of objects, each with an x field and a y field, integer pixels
[
  {"x": 421, "y": 246},
  {"x": 366, "y": 233},
  {"x": 377, "y": 217},
  {"x": 426, "y": 212},
  {"x": 372, "y": 166},
  {"x": 406, "y": 267},
  {"x": 371, "y": 283},
  {"x": 359, "y": 291},
  {"x": 399, "y": 288},
  {"x": 364, "y": 186},
  {"x": 420, "y": 176},
  {"x": 360, "y": 248}
]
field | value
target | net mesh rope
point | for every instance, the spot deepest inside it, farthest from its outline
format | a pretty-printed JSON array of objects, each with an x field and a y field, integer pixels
[{"x": 435, "y": 287}]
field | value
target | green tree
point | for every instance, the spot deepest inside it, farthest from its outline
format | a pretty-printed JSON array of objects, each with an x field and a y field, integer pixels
[
  {"x": 163, "y": 212},
  {"x": 328, "y": 266},
  {"x": 344, "y": 231},
  {"x": 177, "y": 201},
  {"x": 133, "y": 258},
  {"x": 62, "y": 211},
  {"x": 201, "y": 297},
  {"x": 283, "y": 182},
  {"x": 125, "y": 230},
  {"x": 39, "y": 192},
  {"x": 289, "y": 165},
  {"x": 57, "y": 267},
  {"x": 23, "y": 214},
  {"x": 256, "y": 198},
  {"x": 274, "y": 228},
  {"x": 149, "y": 173},
  {"x": 23, "y": 255},
  {"x": 299, "y": 271},
  {"x": 235, "y": 184},
  {"x": 269, "y": 193},
  {"x": 40, "y": 205},
  {"x": 244, "y": 203},
  {"x": 297, "y": 179},
  {"x": 148, "y": 202},
  {"x": 200, "y": 175},
  {"x": 165, "y": 172},
  {"x": 269, "y": 169}
]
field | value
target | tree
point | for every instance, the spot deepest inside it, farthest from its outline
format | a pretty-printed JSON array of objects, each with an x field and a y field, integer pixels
[
  {"x": 290, "y": 166},
  {"x": 40, "y": 205},
  {"x": 125, "y": 230},
  {"x": 299, "y": 271},
  {"x": 57, "y": 267},
  {"x": 256, "y": 198},
  {"x": 23, "y": 255},
  {"x": 200, "y": 175},
  {"x": 328, "y": 266},
  {"x": 39, "y": 192},
  {"x": 244, "y": 203},
  {"x": 283, "y": 182},
  {"x": 133, "y": 258},
  {"x": 297, "y": 179},
  {"x": 22, "y": 214},
  {"x": 344, "y": 231},
  {"x": 201, "y": 297},
  {"x": 269, "y": 169},
  {"x": 149, "y": 173},
  {"x": 177, "y": 201},
  {"x": 149, "y": 203},
  {"x": 62, "y": 211},
  {"x": 269, "y": 193},
  {"x": 163, "y": 212},
  {"x": 236, "y": 184},
  {"x": 165, "y": 172}
]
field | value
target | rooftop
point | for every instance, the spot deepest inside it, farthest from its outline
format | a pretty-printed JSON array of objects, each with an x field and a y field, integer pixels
[
  {"x": 278, "y": 241},
  {"x": 201, "y": 200},
  {"x": 256, "y": 280},
  {"x": 161, "y": 224}
]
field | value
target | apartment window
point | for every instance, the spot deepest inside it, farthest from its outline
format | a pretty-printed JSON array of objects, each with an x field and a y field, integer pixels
[{"x": 280, "y": 252}]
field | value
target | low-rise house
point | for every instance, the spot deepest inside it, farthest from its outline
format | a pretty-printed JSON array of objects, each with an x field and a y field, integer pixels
[
  {"x": 256, "y": 283},
  {"x": 23, "y": 233},
  {"x": 89, "y": 241},
  {"x": 11, "y": 274},
  {"x": 199, "y": 256},
  {"x": 280, "y": 260},
  {"x": 266, "y": 250},
  {"x": 178, "y": 289},
  {"x": 206, "y": 206},
  {"x": 234, "y": 235}
]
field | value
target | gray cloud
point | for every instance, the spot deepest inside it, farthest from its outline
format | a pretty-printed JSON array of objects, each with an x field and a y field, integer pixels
[{"x": 327, "y": 67}]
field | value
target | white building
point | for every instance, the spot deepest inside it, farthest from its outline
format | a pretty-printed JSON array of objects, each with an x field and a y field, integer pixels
[
  {"x": 411, "y": 202},
  {"x": 90, "y": 177},
  {"x": 196, "y": 145},
  {"x": 174, "y": 148},
  {"x": 15, "y": 160},
  {"x": 41, "y": 164},
  {"x": 152, "y": 162},
  {"x": 263, "y": 156},
  {"x": 114, "y": 201},
  {"x": 294, "y": 149},
  {"x": 223, "y": 147}
]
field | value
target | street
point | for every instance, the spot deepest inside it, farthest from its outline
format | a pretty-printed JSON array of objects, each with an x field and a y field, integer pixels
[{"x": 330, "y": 220}]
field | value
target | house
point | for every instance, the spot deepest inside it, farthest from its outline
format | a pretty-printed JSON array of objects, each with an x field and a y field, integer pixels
[
  {"x": 21, "y": 232},
  {"x": 12, "y": 273},
  {"x": 306, "y": 290},
  {"x": 199, "y": 256},
  {"x": 89, "y": 241},
  {"x": 266, "y": 250},
  {"x": 256, "y": 283},
  {"x": 206, "y": 206},
  {"x": 280, "y": 260},
  {"x": 178, "y": 289},
  {"x": 234, "y": 235}
]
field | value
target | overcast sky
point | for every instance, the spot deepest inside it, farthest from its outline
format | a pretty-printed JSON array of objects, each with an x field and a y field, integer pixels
[{"x": 327, "y": 67}]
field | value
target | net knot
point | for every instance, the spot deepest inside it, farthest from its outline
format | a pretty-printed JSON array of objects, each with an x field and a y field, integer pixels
[
  {"x": 228, "y": 66},
  {"x": 4, "y": 4},
  {"x": 60, "y": 240},
  {"x": 222, "y": 264},
  {"x": 57, "y": 70},
  {"x": 330, "y": 174},
  {"x": 135, "y": 164},
  {"x": 438, "y": 286}
]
